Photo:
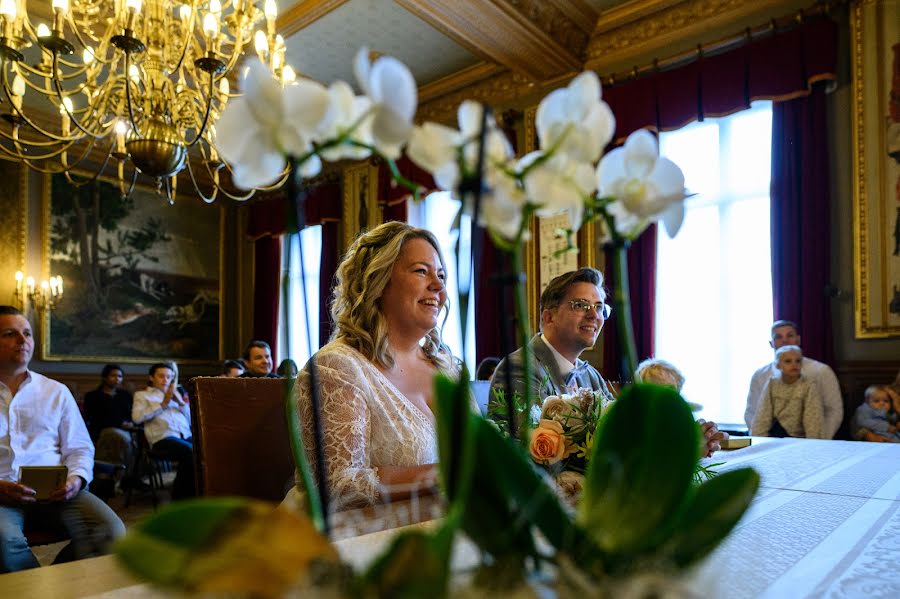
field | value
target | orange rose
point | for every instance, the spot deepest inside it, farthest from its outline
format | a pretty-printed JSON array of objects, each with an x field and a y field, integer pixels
[{"x": 548, "y": 443}]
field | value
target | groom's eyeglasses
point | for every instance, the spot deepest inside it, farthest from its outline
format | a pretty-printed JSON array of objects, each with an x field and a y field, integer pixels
[{"x": 603, "y": 310}]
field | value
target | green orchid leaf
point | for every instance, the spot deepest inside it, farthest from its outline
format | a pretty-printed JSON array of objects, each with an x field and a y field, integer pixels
[
  {"x": 454, "y": 433},
  {"x": 417, "y": 564},
  {"x": 640, "y": 471},
  {"x": 509, "y": 488},
  {"x": 713, "y": 510},
  {"x": 225, "y": 545}
]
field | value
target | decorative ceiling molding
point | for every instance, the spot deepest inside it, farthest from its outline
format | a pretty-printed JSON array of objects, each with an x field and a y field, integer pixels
[
  {"x": 502, "y": 88},
  {"x": 629, "y": 12},
  {"x": 458, "y": 80},
  {"x": 532, "y": 37},
  {"x": 304, "y": 13},
  {"x": 684, "y": 21}
]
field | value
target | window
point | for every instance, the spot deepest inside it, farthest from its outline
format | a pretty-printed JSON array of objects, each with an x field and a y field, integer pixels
[
  {"x": 292, "y": 327},
  {"x": 436, "y": 213},
  {"x": 714, "y": 280}
]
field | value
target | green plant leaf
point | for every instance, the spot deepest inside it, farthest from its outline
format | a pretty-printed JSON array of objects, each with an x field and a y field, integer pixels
[
  {"x": 640, "y": 471},
  {"x": 454, "y": 432},
  {"x": 713, "y": 510}
]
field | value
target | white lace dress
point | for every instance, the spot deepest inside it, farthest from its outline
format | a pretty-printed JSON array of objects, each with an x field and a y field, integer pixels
[{"x": 366, "y": 422}]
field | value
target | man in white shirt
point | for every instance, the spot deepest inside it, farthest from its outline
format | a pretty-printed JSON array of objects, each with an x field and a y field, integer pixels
[
  {"x": 40, "y": 425},
  {"x": 785, "y": 332}
]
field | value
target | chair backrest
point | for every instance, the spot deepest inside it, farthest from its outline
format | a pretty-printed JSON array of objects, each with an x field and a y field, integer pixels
[{"x": 241, "y": 440}]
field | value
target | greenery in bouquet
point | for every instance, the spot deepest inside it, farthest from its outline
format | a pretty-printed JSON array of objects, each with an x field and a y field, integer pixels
[{"x": 639, "y": 512}]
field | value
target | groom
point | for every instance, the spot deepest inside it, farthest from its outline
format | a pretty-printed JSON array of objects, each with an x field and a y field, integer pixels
[{"x": 573, "y": 310}]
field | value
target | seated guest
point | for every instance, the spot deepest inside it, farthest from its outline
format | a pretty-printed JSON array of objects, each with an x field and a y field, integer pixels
[
  {"x": 877, "y": 416},
  {"x": 107, "y": 413},
  {"x": 375, "y": 375},
  {"x": 42, "y": 427},
  {"x": 573, "y": 311},
  {"x": 486, "y": 368},
  {"x": 166, "y": 416},
  {"x": 661, "y": 372},
  {"x": 785, "y": 332},
  {"x": 258, "y": 359},
  {"x": 287, "y": 369},
  {"x": 232, "y": 369},
  {"x": 790, "y": 406}
]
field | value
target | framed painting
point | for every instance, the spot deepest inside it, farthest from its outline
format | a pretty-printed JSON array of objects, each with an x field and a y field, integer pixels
[
  {"x": 142, "y": 278},
  {"x": 875, "y": 32}
]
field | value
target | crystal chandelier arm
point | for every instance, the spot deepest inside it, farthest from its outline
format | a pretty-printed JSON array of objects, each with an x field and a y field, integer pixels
[
  {"x": 208, "y": 199},
  {"x": 4, "y": 79},
  {"x": 20, "y": 153}
]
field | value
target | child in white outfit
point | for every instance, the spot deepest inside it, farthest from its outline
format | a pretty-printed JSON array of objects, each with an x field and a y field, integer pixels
[{"x": 790, "y": 405}]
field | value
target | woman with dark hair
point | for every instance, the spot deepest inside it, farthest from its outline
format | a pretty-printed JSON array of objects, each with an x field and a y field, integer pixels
[{"x": 375, "y": 375}]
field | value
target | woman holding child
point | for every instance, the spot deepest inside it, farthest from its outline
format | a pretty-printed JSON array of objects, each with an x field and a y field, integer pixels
[{"x": 375, "y": 375}]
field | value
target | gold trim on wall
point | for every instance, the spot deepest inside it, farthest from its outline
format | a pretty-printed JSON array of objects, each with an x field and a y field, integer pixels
[
  {"x": 360, "y": 201},
  {"x": 530, "y": 250},
  {"x": 871, "y": 211}
]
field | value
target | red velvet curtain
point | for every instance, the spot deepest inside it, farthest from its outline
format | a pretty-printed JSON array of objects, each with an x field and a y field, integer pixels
[
  {"x": 781, "y": 67},
  {"x": 267, "y": 222},
  {"x": 392, "y": 197},
  {"x": 800, "y": 215}
]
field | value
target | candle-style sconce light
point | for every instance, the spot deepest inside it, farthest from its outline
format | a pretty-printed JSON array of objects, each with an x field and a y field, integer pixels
[{"x": 43, "y": 296}]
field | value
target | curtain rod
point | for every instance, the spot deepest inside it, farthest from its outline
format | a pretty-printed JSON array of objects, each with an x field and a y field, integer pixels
[{"x": 773, "y": 26}]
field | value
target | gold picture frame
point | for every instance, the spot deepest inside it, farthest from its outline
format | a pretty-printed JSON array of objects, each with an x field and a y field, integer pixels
[
  {"x": 152, "y": 287},
  {"x": 361, "y": 211},
  {"x": 875, "y": 44}
]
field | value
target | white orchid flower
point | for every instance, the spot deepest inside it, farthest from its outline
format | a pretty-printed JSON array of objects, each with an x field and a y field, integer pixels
[
  {"x": 502, "y": 206},
  {"x": 391, "y": 88},
  {"x": 267, "y": 123},
  {"x": 558, "y": 184},
  {"x": 577, "y": 119},
  {"x": 345, "y": 115},
  {"x": 433, "y": 147},
  {"x": 646, "y": 186}
]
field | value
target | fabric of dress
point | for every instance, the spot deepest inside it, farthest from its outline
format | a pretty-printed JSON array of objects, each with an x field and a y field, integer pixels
[
  {"x": 546, "y": 377},
  {"x": 877, "y": 421},
  {"x": 366, "y": 423},
  {"x": 796, "y": 406},
  {"x": 818, "y": 373}
]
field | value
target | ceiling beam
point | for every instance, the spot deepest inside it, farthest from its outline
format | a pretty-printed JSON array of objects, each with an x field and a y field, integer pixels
[
  {"x": 304, "y": 13},
  {"x": 539, "y": 39}
]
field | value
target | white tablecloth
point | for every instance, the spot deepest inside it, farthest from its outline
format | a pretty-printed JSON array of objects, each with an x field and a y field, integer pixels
[{"x": 825, "y": 523}]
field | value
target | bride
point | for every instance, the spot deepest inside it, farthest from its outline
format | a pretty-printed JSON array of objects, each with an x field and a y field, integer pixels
[{"x": 375, "y": 375}]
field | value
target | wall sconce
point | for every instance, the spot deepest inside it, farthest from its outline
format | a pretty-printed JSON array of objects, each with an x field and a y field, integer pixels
[{"x": 41, "y": 297}]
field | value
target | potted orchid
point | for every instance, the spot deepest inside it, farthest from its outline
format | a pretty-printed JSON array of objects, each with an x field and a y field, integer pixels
[{"x": 639, "y": 511}]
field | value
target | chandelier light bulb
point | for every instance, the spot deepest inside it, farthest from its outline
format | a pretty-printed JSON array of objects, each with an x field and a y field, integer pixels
[
  {"x": 288, "y": 75},
  {"x": 271, "y": 10},
  {"x": 215, "y": 7},
  {"x": 18, "y": 86},
  {"x": 66, "y": 106},
  {"x": 43, "y": 30},
  {"x": 224, "y": 87},
  {"x": 121, "y": 127},
  {"x": 279, "y": 42},
  {"x": 185, "y": 12},
  {"x": 133, "y": 73},
  {"x": 88, "y": 55},
  {"x": 133, "y": 6},
  {"x": 260, "y": 43},
  {"x": 210, "y": 25},
  {"x": 8, "y": 9},
  {"x": 61, "y": 6}
]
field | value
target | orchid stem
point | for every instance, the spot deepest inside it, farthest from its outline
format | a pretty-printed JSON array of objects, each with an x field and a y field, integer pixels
[{"x": 622, "y": 304}]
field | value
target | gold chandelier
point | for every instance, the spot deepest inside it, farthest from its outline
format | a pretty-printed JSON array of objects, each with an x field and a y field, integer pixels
[{"x": 138, "y": 83}]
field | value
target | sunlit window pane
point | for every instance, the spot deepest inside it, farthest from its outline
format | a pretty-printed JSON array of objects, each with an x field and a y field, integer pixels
[
  {"x": 714, "y": 281},
  {"x": 437, "y": 213},
  {"x": 294, "y": 326}
]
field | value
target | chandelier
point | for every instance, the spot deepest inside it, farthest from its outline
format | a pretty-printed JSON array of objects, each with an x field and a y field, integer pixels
[{"x": 138, "y": 84}]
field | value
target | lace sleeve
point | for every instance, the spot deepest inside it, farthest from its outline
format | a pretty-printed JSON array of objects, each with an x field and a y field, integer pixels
[{"x": 345, "y": 429}]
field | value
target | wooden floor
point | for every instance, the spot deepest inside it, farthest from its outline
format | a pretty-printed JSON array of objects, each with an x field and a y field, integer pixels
[{"x": 141, "y": 505}]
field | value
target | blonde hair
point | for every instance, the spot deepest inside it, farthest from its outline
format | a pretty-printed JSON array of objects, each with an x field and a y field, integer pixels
[
  {"x": 361, "y": 279},
  {"x": 659, "y": 372},
  {"x": 786, "y": 349}
]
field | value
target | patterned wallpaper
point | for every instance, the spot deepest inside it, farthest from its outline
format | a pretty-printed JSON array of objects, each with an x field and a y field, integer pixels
[{"x": 13, "y": 196}]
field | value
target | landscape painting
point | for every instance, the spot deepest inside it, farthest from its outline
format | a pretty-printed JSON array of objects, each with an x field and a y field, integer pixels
[{"x": 141, "y": 276}]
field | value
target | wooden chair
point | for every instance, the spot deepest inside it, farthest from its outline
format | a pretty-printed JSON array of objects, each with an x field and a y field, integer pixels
[{"x": 241, "y": 442}]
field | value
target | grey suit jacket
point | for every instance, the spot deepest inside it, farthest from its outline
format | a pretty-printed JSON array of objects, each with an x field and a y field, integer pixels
[{"x": 546, "y": 378}]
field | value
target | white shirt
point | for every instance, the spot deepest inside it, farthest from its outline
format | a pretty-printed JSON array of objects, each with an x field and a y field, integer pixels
[
  {"x": 41, "y": 426},
  {"x": 159, "y": 422},
  {"x": 562, "y": 362},
  {"x": 816, "y": 372}
]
